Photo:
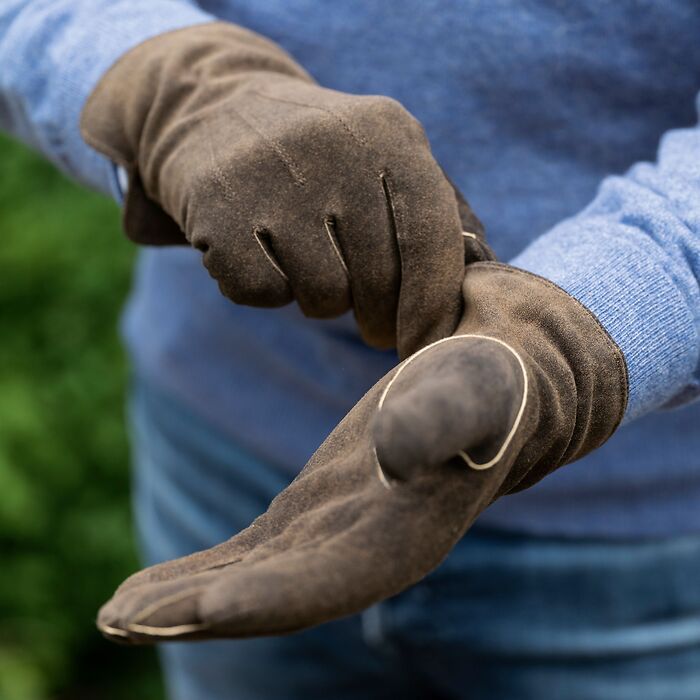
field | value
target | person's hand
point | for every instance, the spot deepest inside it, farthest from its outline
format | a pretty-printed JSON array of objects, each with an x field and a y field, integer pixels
[
  {"x": 290, "y": 190},
  {"x": 528, "y": 382}
]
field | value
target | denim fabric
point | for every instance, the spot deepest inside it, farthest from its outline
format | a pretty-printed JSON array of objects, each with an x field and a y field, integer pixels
[{"x": 505, "y": 617}]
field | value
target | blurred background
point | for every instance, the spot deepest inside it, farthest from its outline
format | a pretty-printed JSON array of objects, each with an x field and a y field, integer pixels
[{"x": 65, "y": 533}]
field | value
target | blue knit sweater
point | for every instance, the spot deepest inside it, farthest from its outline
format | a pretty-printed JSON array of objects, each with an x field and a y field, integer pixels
[{"x": 570, "y": 127}]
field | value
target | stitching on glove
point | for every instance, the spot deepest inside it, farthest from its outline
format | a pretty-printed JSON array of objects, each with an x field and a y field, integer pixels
[
  {"x": 112, "y": 631},
  {"x": 391, "y": 210},
  {"x": 360, "y": 140},
  {"x": 329, "y": 225},
  {"x": 518, "y": 418},
  {"x": 164, "y": 602},
  {"x": 467, "y": 459},
  {"x": 175, "y": 631},
  {"x": 261, "y": 235},
  {"x": 285, "y": 100},
  {"x": 296, "y": 173}
]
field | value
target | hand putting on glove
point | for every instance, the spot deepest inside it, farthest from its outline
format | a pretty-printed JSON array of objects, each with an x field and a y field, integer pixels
[
  {"x": 528, "y": 382},
  {"x": 291, "y": 191}
]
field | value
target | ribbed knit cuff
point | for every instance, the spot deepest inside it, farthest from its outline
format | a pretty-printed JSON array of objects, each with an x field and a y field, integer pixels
[
  {"x": 94, "y": 47},
  {"x": 619, "y": 275}
]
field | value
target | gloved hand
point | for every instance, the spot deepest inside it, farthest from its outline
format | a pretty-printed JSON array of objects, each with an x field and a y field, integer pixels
[
  {"x": 528, "y": 382},
  {"x": 290, "y": 190}
]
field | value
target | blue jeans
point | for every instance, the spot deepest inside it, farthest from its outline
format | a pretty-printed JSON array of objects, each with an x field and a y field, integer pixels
[{"x": 506, "y": 617}]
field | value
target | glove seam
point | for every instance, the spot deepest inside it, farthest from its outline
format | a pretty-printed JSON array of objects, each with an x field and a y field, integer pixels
[
  {"x": 360, "y": 140},
  {"x": 462, "y": 453}
]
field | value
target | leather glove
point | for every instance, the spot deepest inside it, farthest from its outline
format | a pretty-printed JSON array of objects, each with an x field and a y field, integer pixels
[
  {"x": 528, "y": 382},
  {"x": 290, "y": 190}
]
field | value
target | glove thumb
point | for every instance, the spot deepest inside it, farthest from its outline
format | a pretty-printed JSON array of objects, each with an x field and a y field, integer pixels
[{"x": 457, "y": 396}]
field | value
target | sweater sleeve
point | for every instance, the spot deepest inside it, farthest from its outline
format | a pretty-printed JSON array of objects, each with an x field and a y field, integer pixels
[
  {"x": 53, "y": 53},
  {"x": 632, "y": 256}
]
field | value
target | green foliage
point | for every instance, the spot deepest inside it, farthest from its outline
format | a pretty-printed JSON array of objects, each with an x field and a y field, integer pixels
[{"x": 65, "y": 532}]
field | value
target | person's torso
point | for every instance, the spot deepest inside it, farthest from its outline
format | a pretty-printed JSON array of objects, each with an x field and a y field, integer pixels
[{"x": 527, "y": 106}]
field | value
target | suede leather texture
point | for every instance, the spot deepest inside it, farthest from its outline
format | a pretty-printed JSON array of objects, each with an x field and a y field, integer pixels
[
  {"x": 291, "y": 191},
  {"x": 529, "y": 380}
]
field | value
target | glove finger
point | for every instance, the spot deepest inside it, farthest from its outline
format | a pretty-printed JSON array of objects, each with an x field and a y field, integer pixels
[
  {"x": 303, "y": 495},
  {"x": 156, "y": 611},
  {"x": 365, "y": 233},
  {"x": 231, "y": 551},
  {"x": 256, "y": 278},
  {"x": 428, "y": 230},
  {"x": 380, "y": 543},
  {"x": 309, "y": 253},
  {"x": 460, "y": 396},
  {"x": 144, "y": 221},
  {"x": 318, "y": 507},
  {"x": 238, "y": 254},
  {"x": 387, "y": 548}
]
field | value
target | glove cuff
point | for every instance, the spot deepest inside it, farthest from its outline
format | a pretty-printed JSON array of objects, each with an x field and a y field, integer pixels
[{"x": 577, "y": 377}]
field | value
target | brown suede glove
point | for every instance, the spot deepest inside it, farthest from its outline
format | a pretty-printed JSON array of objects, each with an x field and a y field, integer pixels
[
  {"x": 529, "y": 382},
  {"x": 290, "y": 190}
]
